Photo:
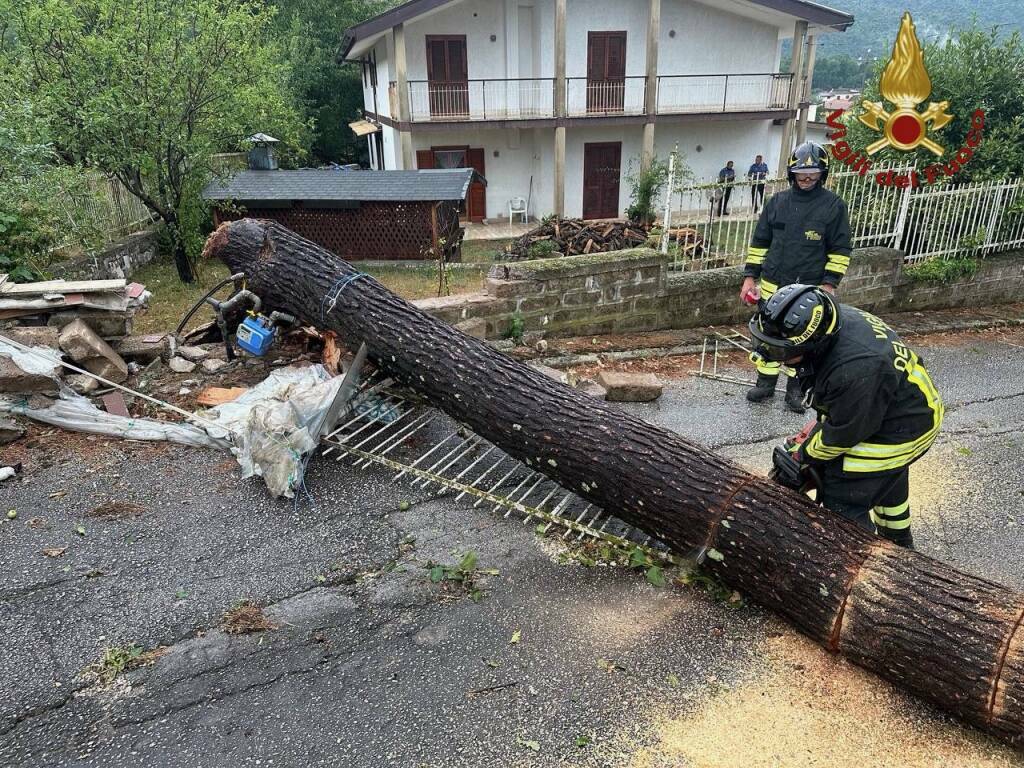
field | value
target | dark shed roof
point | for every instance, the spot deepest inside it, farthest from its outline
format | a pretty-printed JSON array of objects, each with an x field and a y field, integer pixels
[{"x": 345, "y": 186}]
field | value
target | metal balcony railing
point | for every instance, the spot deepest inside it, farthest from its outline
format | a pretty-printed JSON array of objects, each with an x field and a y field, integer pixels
[
  {"x": 679, "y": 94},
  {"x": 533, "y": 98},
  {"x": 611, "y": 96},
  {"x": 509, "y": 99}
]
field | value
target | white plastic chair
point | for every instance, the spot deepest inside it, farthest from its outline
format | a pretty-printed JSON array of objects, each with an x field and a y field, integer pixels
[{"x": 518, "y": 205}]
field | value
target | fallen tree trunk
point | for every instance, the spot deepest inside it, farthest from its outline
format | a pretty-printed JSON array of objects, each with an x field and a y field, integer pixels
[{"x": 953, "y": 639}]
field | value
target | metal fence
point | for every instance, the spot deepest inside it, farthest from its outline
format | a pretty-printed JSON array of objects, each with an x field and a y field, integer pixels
[
  {"x": 962, "y": 220},
  {"x": 711, "y": 224},
  {"x": 104, "y": 206}
]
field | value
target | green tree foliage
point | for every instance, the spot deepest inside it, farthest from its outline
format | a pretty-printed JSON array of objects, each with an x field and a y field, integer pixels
[
  {"x": 148, "y": 90},
  {"x": 43, "y": 202},
  {"x": 974, "y": 69},
  {"x": 842, "y": 71},
  {"x": 331, "y": 93}
]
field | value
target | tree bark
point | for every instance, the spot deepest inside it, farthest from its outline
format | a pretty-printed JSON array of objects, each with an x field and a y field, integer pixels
[{"x": 953, "y": 639}]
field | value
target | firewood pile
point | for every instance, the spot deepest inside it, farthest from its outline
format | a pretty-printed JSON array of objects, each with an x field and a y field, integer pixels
[
  {"x": 690, "y": 241},
  {"x": 571, "y": 237}
]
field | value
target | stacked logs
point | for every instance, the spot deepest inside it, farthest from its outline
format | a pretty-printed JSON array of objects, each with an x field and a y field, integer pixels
[{"x": 572, "y": 237}]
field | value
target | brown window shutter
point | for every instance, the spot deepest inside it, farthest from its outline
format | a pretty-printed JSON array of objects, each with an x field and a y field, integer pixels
[{"x": 424, "y": 158}]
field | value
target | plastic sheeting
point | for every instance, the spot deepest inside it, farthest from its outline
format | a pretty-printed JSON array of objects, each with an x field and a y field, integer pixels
[
  {"x": 273, "y": 424},
  {"x": 78, "y": 413},
  {"x": 41, "y": 361},
  {"x": 268, "y": 429}
]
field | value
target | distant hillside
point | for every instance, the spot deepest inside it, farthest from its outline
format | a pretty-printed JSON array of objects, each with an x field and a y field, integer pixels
[{"x": 876, "y": 22}]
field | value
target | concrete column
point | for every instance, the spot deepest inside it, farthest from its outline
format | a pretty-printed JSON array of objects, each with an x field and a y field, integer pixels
[
  {"x": 795, "y": 88},
  {"x": 651, "y": 92},
  {"x": 805, "y": 96},
  {"x": 647, "y": 146},
  {"x": 402, "y": 84},
  {"x": 558, "y": 204}
]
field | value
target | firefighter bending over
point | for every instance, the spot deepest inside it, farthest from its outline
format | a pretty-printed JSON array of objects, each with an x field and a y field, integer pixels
[
  {"x": 878, "y": 411},
  {"x": 802, "y": 236}
]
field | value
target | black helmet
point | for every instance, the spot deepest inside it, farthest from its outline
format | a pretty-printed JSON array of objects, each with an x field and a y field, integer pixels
[
  {"x": 808, "y": 156},
  {"x": 798, "y": 320}
]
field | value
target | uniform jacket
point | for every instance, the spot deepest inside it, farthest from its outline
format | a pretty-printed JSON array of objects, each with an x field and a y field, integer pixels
[
  {"x": 801, "y": 237},
  {"x": 877, "y": 407}
]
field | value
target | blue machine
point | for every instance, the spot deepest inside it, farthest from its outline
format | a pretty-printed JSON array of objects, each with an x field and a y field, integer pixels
[{"x": 255, "y": 334}]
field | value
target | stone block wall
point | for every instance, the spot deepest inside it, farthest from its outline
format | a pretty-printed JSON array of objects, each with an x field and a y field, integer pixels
[
  {"x": 116, "y": 261},
  {"x": 633, "y": 291}
]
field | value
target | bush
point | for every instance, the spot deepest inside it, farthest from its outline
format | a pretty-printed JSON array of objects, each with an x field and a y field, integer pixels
[
  {"x": 942, "y": 270},
  {"x": 647, "y": 186},
  {"x": 542, "y": 249}
]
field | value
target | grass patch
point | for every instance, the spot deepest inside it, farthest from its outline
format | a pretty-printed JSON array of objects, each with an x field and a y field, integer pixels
[
  {"x": 114, "y": 661},
  {"x": 171, "y": 297},
  {"x": 246, "y": 617},
  {"x": 942, "y": 270},
  {"x": 420, "y": 281},
  {"x": 483, "y": 251}
]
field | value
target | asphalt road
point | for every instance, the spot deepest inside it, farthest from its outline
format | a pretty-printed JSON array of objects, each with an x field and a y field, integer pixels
[{"x": 371, "y": 664}]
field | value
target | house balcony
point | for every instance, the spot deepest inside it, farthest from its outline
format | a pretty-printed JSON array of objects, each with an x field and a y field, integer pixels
[
  {"x": 534, "y": 98},
  {"x": 476, "y": 100},
  {"x": 682, "y": 94}
]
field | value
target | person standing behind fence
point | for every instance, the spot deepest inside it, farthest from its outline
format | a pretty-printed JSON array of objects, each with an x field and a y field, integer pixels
[
  {"x": 726, "y": 177},
  {"x": 802, "y": 236},
  {"x": 757, "y": 173}
]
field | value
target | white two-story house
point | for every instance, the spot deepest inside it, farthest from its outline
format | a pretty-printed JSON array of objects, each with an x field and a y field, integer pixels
[{"x": 559, "y": 101}]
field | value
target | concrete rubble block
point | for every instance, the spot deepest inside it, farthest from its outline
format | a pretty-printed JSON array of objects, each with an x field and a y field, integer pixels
[
  {"x": 560, "y": 376},
  {"x": 213, "y": 365},
  {"x": 623, "y": 387},
  {"x": 109, "y": 325},
  {"x": 34, "y": 336},
  {"x": 16, "y": 381},
  {"x": 474, "y": 326},
  {"x": 86, "y": 348},
  {"x": 10, "y": 431},
  {"x": 83, "y": 385},
  {"x": 144, "y": 349},
  {"x": 195, "y": 354},
  {"x": 592, "y": 388},
  {"x": 181, "y": 365}
]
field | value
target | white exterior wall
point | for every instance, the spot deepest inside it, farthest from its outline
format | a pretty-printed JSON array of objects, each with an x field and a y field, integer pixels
[
  {"x": 712, "y": 41},
  {"x": 392, "y": 149},
  {"x": 719, "y": 142},
  {"x": 508, "y": 174},
  {"x": 477, "y": 20},
  {"x": 385, "y": 75}
]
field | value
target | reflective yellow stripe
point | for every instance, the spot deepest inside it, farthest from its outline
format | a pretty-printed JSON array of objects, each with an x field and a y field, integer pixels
[
  {"x": 755, "y": 259},
  {"x": 838, "y": 263},
  {"x": 817, "y": 449},
  {"x": 892, "y": 512},
  {"x": 838, "y": 258},
  {"x": 767, "y": 288},
  {"x": 888, "y": 524},
  {"x": 878, "y": 457},
  {"x": 755, "y": 251}
]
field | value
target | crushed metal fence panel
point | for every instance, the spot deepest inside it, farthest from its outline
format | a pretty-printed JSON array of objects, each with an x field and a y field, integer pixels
[{"x": 426, "y": 449}]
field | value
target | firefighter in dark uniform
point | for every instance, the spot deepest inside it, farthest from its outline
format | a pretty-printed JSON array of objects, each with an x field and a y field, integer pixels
[
  {"x": 878, "y": 411},
  {"x": 802, "y": 236}
]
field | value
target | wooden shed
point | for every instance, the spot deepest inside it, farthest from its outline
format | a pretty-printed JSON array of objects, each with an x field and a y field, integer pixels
[{"x": 357, "y": 214}]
